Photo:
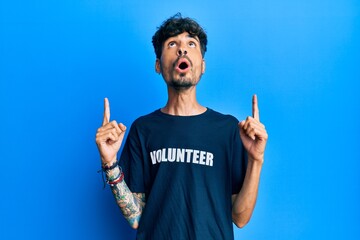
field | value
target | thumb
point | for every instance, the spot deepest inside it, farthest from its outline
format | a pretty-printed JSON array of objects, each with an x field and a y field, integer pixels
[
  {"x": 122, "y": 127},
  {"x": 241, "y": 124}
]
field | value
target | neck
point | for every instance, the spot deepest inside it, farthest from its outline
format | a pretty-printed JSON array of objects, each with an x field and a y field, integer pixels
[{"x": 183, "y": 103}]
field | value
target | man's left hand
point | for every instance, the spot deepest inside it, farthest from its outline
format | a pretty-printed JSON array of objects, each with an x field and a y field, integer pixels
[{"x": 253, "y": 134}]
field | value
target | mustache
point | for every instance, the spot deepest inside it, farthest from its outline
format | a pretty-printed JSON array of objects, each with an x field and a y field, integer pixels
[{"x": 181, "y": 57}]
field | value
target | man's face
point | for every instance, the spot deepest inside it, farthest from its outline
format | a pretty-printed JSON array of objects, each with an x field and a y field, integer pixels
[{"x": 181, "y": 63}]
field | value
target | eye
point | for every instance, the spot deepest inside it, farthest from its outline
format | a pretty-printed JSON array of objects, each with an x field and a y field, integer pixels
[
  {"x": 172, "y": 44},
  {"x": 192, "y": 44}
]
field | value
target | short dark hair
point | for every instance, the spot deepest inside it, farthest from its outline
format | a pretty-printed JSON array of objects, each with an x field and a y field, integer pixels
[{"x": 176, "y": 25}]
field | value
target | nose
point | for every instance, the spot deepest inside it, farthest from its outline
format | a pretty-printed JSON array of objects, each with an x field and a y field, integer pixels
[{"x": 181, "y": 52}]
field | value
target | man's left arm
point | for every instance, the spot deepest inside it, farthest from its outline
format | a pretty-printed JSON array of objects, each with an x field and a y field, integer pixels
[{"x": 254, "y": 138}]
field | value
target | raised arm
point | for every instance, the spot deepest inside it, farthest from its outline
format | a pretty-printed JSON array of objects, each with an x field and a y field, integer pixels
[
  {"x": 109, "y": 138},
  {"x": 254, "y": 138}
]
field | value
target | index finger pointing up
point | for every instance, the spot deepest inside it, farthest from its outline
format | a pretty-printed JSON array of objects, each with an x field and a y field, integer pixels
[
  {"x": 255, "y": 108},
  {"x": 106, "y": 112}
]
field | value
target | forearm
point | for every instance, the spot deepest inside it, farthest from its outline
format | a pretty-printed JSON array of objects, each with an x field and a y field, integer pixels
[
  {"x": 131, "y": 204},
  {"x": 244, "y": 201}
]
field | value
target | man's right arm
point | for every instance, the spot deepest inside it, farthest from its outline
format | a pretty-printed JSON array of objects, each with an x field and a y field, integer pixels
[
  {"x": 131, "y": 204},
  {"x": 109, "y": 138}
]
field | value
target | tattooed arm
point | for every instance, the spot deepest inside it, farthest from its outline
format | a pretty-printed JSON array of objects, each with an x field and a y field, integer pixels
[
  {"x": 131, "y": 204},
  {"x": 108, "y": 139}
]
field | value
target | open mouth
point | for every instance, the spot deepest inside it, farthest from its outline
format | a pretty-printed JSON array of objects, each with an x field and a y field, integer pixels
[{"x": 183, "y": 65}]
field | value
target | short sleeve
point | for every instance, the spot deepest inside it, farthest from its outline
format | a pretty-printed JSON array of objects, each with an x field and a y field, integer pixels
[
  {"x": 239, "y": 162},
  {"x": 131, "y": 161}
]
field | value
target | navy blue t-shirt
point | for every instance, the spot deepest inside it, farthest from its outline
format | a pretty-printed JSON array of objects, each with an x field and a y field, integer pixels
[{"x": 188, "y": 167}]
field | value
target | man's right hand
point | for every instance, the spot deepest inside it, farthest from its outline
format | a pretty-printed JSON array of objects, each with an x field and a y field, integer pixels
[{"x": 109, "y": 137}]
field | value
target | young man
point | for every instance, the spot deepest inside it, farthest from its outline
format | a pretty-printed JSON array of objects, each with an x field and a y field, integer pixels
[{"x": 187, "y": 171}]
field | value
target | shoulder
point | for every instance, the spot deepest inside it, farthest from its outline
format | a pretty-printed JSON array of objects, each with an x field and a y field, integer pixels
[
  {"x": 222, "y": 117},
  {"x": 146, "y": 122},
  {"x": 148, "y": 118}
]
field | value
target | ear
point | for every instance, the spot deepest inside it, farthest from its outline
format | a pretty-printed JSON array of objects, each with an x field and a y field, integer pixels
[
  {"x": 203, "y": 66},
  {"x": 157, "y": 66}
]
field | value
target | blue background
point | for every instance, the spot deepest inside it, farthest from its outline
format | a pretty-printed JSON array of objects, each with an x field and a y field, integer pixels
[{"x": 59, "y": 59}]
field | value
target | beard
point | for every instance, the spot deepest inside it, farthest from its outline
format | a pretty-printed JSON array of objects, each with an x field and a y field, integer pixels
[
  {"x": 181, "y": 84},
  {"x": 184, "y": 83}
]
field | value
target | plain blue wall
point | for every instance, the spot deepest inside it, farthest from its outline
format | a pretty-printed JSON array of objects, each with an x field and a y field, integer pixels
[{"x": 59, "y": 59}]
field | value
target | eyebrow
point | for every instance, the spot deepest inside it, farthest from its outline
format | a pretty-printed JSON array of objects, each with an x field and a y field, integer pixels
[
  {"x": 188, "y": 36},
  {"x": 193, "y": 37}
]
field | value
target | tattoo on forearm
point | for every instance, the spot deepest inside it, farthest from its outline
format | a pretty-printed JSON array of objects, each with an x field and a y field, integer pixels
[{"x": 131, "y": 204}]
